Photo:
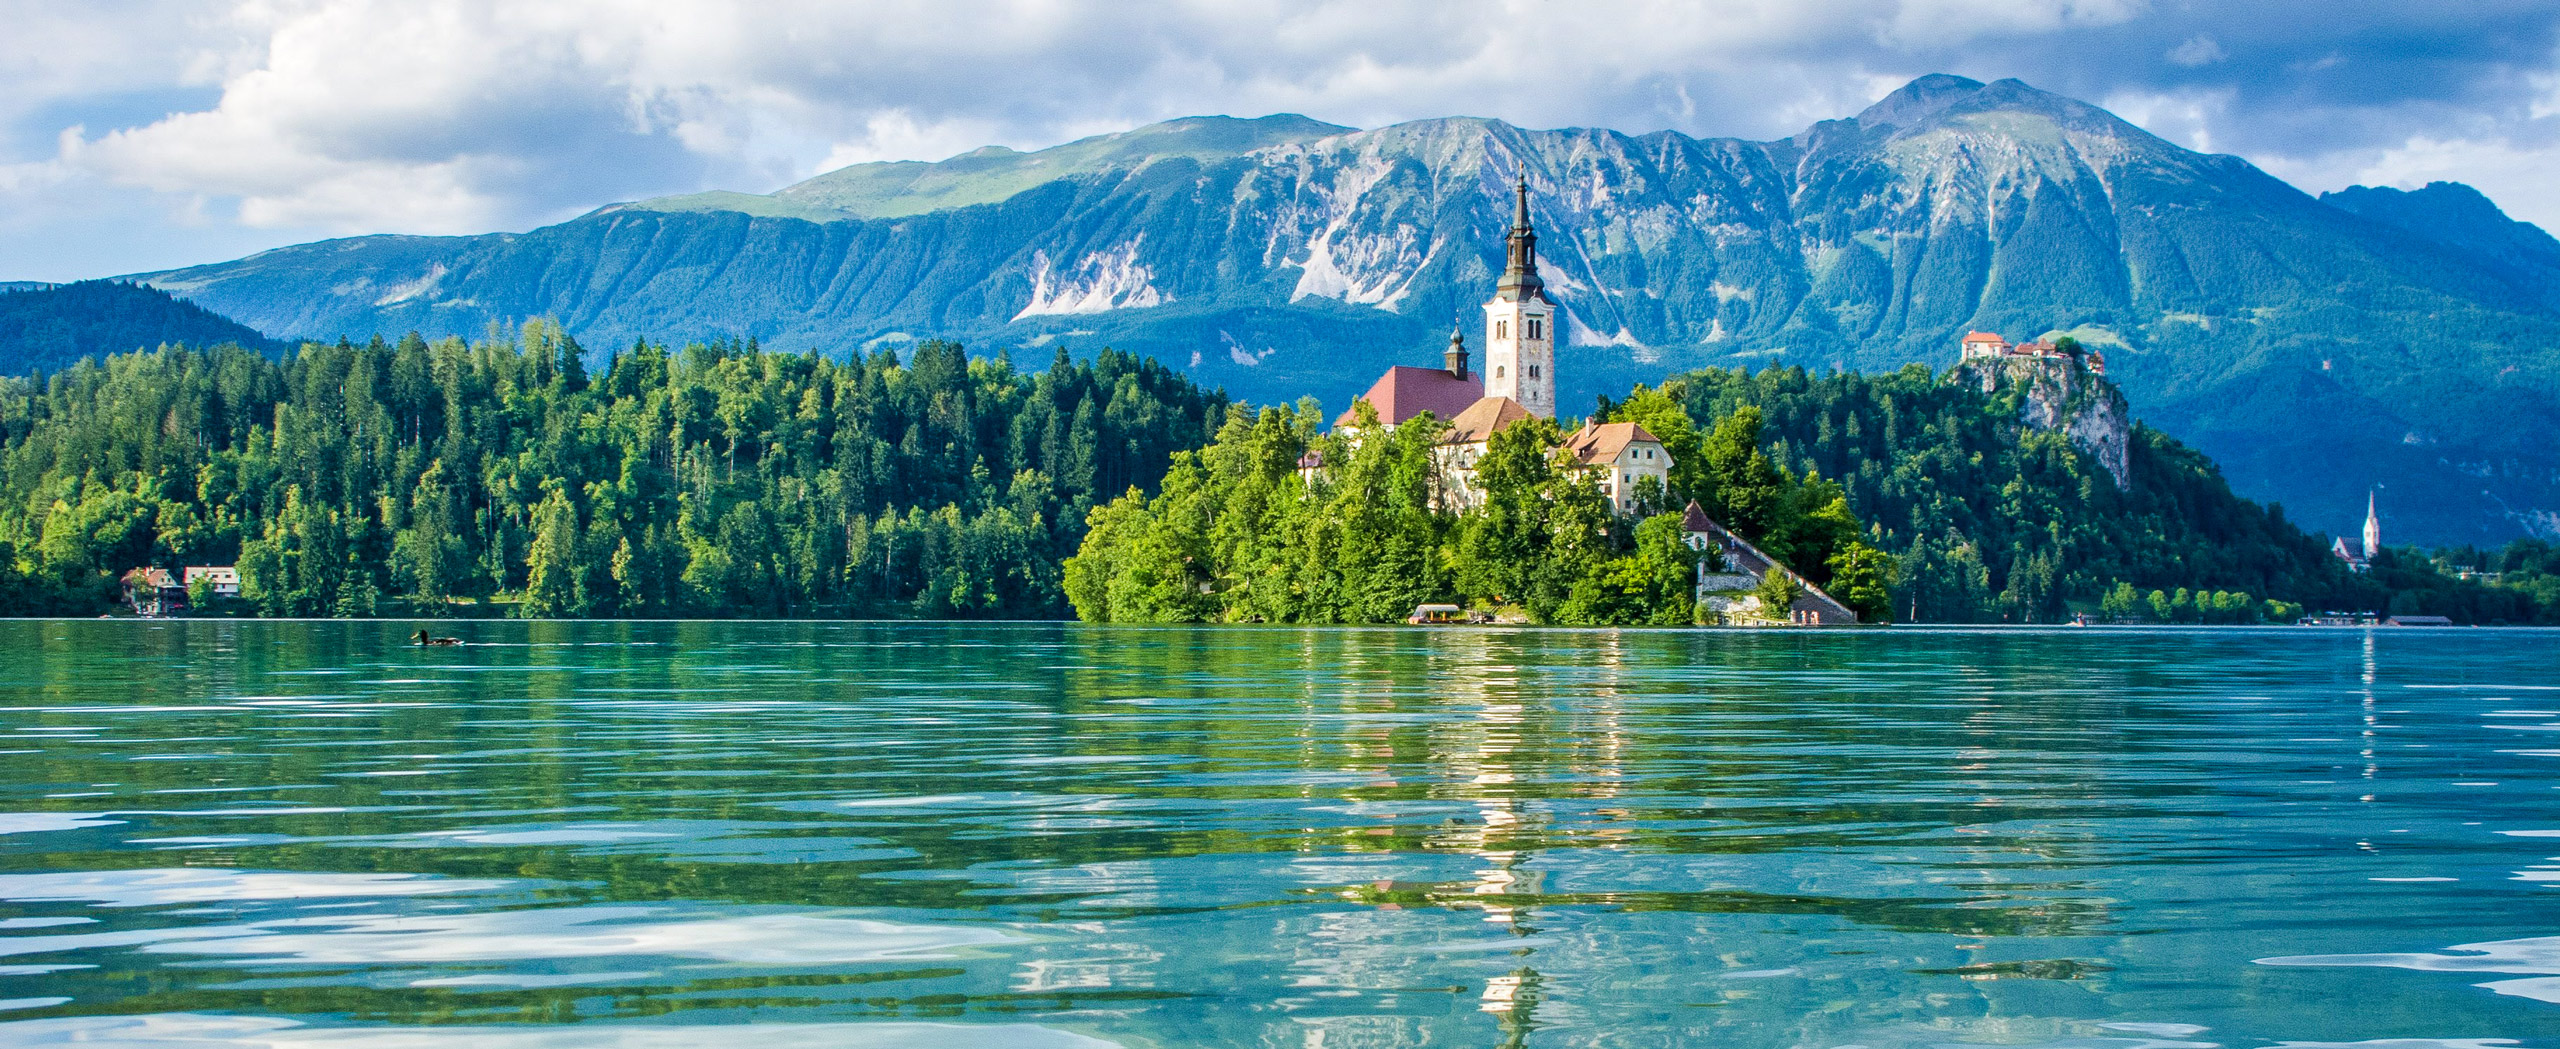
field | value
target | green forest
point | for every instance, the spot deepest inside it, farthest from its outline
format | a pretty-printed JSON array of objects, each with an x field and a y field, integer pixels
[
  {"x": 1239, "y": 534},
  {"x": 523, "y": 475},
  {"x": 713, "y": 480},
  {"x": 1992, "y": 520},
  {"x": 46, "y": 329},
  {"x": 1908, "y": 497}
]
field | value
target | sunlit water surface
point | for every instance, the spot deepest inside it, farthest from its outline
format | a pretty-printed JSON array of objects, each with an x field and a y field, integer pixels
[{"x": 891, "y": 835}]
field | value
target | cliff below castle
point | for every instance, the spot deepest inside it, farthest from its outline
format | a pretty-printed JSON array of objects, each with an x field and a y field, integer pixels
[{"x": 2062, "y": 394}]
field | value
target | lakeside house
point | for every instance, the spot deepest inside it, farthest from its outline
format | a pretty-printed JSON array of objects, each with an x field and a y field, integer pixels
[
  {"x": 224, "y": 579},
  {"x": 160, "y": 592},
  {"x": 154, "y": 592},
  {"x": 1730, "y": 574}
]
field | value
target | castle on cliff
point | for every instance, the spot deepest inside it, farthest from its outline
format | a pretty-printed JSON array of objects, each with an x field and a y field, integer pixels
[
  {"x": 1985, "y": 345},
  {"x": 2065, "y": 389}
]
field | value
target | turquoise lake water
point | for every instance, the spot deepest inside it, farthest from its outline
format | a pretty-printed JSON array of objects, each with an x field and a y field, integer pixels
[{"x": 222, "y": 834}]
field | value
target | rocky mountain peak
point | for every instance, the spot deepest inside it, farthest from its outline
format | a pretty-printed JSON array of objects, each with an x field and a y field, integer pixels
[
  {"x": 1916, "y": 101},
  {"x": 2460, "y": 217},
  {"x": 1939, "y": 102}
]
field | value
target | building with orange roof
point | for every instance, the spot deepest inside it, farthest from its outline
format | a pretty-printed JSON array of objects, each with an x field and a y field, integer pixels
[
  {"x": 1985, "y": 345},
  {"x": 1624, "y": 455}
]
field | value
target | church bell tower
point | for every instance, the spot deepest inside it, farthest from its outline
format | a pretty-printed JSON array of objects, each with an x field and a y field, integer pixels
[
  {"x": 1519, "y": 324},
  {"x": 2372, "y": 528}
]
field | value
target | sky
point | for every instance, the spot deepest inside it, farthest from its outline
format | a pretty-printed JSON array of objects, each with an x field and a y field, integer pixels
[{"x": 141, "y": 134}]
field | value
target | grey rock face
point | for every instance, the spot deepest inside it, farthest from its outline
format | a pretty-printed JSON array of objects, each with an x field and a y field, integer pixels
[{"x": 2064, "y": 396}]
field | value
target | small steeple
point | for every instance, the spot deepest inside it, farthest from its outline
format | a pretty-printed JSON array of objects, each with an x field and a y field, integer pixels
[
  {"x": 2372, "y": 527},
  {"x": 1457, "y": 355},
  {"x": 1520, "y": 271}
]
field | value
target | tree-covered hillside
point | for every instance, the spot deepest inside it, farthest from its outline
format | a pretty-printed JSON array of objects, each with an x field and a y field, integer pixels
[
  {"x": 1993, "y": 520},
  {"x": 711, "y": 480},
  {"x": 1909, "y": 495},
  {"x": 47, "y": 327},
  {"x": 1253, "y": 529},
  {"x": 720, "y": 479},
  {"x": 2459, "y": 217}
]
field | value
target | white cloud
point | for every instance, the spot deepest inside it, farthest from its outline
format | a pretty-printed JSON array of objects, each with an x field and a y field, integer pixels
[
  {"x": 362, "y": 115},
  {"x": 2197, "y": 50},
  {"x": 349, "y": 116},
  {"x": 2184, "y": 117},
  {"x": 1945, "y": 22}
]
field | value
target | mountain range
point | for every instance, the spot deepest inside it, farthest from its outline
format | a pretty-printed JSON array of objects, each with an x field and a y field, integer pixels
[
  {"x": 48, "y": 327},
  {"x": 2317, "y": 348}
]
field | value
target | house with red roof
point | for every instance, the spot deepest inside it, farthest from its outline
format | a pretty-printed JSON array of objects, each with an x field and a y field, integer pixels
[{"x": 1625, "y": 456}]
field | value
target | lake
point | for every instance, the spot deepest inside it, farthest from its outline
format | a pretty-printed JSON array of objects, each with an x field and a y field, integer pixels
[{"x": 231, "y": 833}]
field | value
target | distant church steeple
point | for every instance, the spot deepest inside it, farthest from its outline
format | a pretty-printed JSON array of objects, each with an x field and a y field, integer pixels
[
  {"x": 2372, "y": 527},
  {"x": 1519, "y": 323},
  {"x": 1457, "y": 355}
]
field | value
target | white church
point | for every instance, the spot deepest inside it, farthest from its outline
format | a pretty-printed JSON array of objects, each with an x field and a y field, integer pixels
[{"x": 1518, "y": 382}]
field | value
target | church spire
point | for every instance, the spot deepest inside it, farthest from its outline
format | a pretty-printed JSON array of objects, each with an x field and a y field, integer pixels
[
  {"x": 1520, "y": 322},
  {"x": 2372, "y": 527},
  {"x": 1457, "y": 355},
  {"x": 1520, "y": 273}
]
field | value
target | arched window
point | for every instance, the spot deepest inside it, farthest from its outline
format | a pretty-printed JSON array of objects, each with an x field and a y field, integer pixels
[
  {"x": 1535, "y": 327},
  {"x": 1502, "y": 329},
  {"x": 1533, "y": 369},
  {"x": 1497, "y": 371}
]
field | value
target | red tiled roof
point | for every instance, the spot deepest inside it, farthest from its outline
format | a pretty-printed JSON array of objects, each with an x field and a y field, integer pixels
[
  {"x": 1695, "y": 519},
  {"x": 1602, "y": 443},
  {"x": 149, "y": 577},
  {"x": 1740, "y": 555},
  {"x": 1404, "y": 392},
  {"x": 1483, "y": 419},
  {"x": 1983, "y": 336}
]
